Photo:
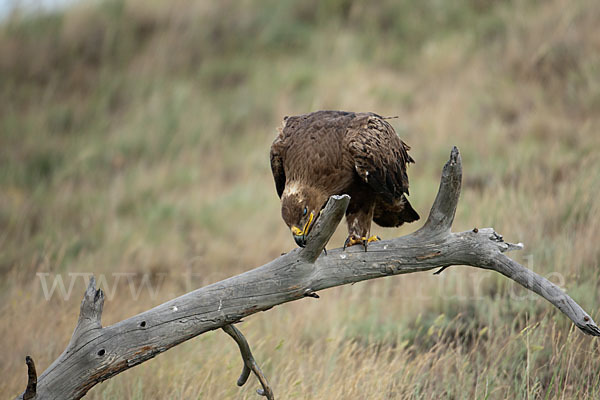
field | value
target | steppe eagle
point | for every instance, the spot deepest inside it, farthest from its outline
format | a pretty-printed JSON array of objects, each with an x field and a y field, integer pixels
[{"x": 325, "y": 153}]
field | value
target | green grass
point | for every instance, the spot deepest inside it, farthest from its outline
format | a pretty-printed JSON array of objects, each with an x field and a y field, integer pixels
[{"x": 134, "y": 138}]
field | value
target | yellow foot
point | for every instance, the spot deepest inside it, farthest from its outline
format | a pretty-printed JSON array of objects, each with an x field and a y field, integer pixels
[
  {"x": 373, "y": 238},
  {"x": 352, "y": 240}
]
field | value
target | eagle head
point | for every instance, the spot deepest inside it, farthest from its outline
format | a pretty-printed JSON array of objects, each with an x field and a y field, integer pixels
[{"x": 300, "y": 207}]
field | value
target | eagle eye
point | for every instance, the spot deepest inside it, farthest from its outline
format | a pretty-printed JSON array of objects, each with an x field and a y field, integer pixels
[{"x": 305, "y": 211}]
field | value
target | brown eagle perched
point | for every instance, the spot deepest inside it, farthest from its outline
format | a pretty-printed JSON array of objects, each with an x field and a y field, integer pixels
[{"x": 325, "y": 153}]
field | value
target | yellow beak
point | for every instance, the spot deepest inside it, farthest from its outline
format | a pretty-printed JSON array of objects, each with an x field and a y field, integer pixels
[{"x": 300, "y": 234}]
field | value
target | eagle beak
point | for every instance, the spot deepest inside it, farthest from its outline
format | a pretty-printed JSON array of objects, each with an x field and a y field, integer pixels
[
  {"x": 300, "y": 240},
  {"x": 300, "y": 234}
]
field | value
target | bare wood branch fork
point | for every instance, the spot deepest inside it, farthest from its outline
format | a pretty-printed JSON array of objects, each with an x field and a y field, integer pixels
[{"x": 96, "y": 353}]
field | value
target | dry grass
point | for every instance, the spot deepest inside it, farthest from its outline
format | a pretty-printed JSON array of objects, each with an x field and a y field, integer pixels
[{"x": 134, "y": 139}]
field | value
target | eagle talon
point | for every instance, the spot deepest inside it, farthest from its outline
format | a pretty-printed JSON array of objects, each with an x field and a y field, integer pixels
[
  {"x": 366, "y": 241},
  {"x": 374, "y": 238},
  {"x": 352, "y": 240}
]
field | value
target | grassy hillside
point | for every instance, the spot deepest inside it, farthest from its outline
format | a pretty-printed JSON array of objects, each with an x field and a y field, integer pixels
[{"x": 134, "y": 140}]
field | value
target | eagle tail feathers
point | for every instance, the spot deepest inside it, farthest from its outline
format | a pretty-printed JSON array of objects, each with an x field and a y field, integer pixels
[
  {"x": 408, "y": 212},
  {"x": 394, "y": 214}
]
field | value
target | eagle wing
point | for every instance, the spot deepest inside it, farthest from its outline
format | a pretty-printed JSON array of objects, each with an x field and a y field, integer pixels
[
  {"x": 277, "y": 160},
  {"x": 380, "y": 156}
]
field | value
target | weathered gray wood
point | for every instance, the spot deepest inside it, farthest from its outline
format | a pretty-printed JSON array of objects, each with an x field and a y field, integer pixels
[
  {"x": 96, "y": 353},
  {"x": 30, "y": 391},
  {"x": 250, "y": 364}
]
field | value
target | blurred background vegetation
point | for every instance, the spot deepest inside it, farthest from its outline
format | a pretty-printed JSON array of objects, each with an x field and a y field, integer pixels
[{"x": 134, "y": 138}]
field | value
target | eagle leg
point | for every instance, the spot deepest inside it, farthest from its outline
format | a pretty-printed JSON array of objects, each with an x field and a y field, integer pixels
[{"x": 358, "y": 217}]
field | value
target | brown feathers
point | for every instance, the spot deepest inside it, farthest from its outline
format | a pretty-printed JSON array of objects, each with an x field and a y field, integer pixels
[{"x": 324, "y": 153}]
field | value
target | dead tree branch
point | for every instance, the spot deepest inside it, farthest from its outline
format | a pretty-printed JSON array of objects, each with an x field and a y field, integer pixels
[
  {"x": 31, "y": 389},
  {"x": 97, "y": 353},
  {"x": 250, "y": 364}
]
